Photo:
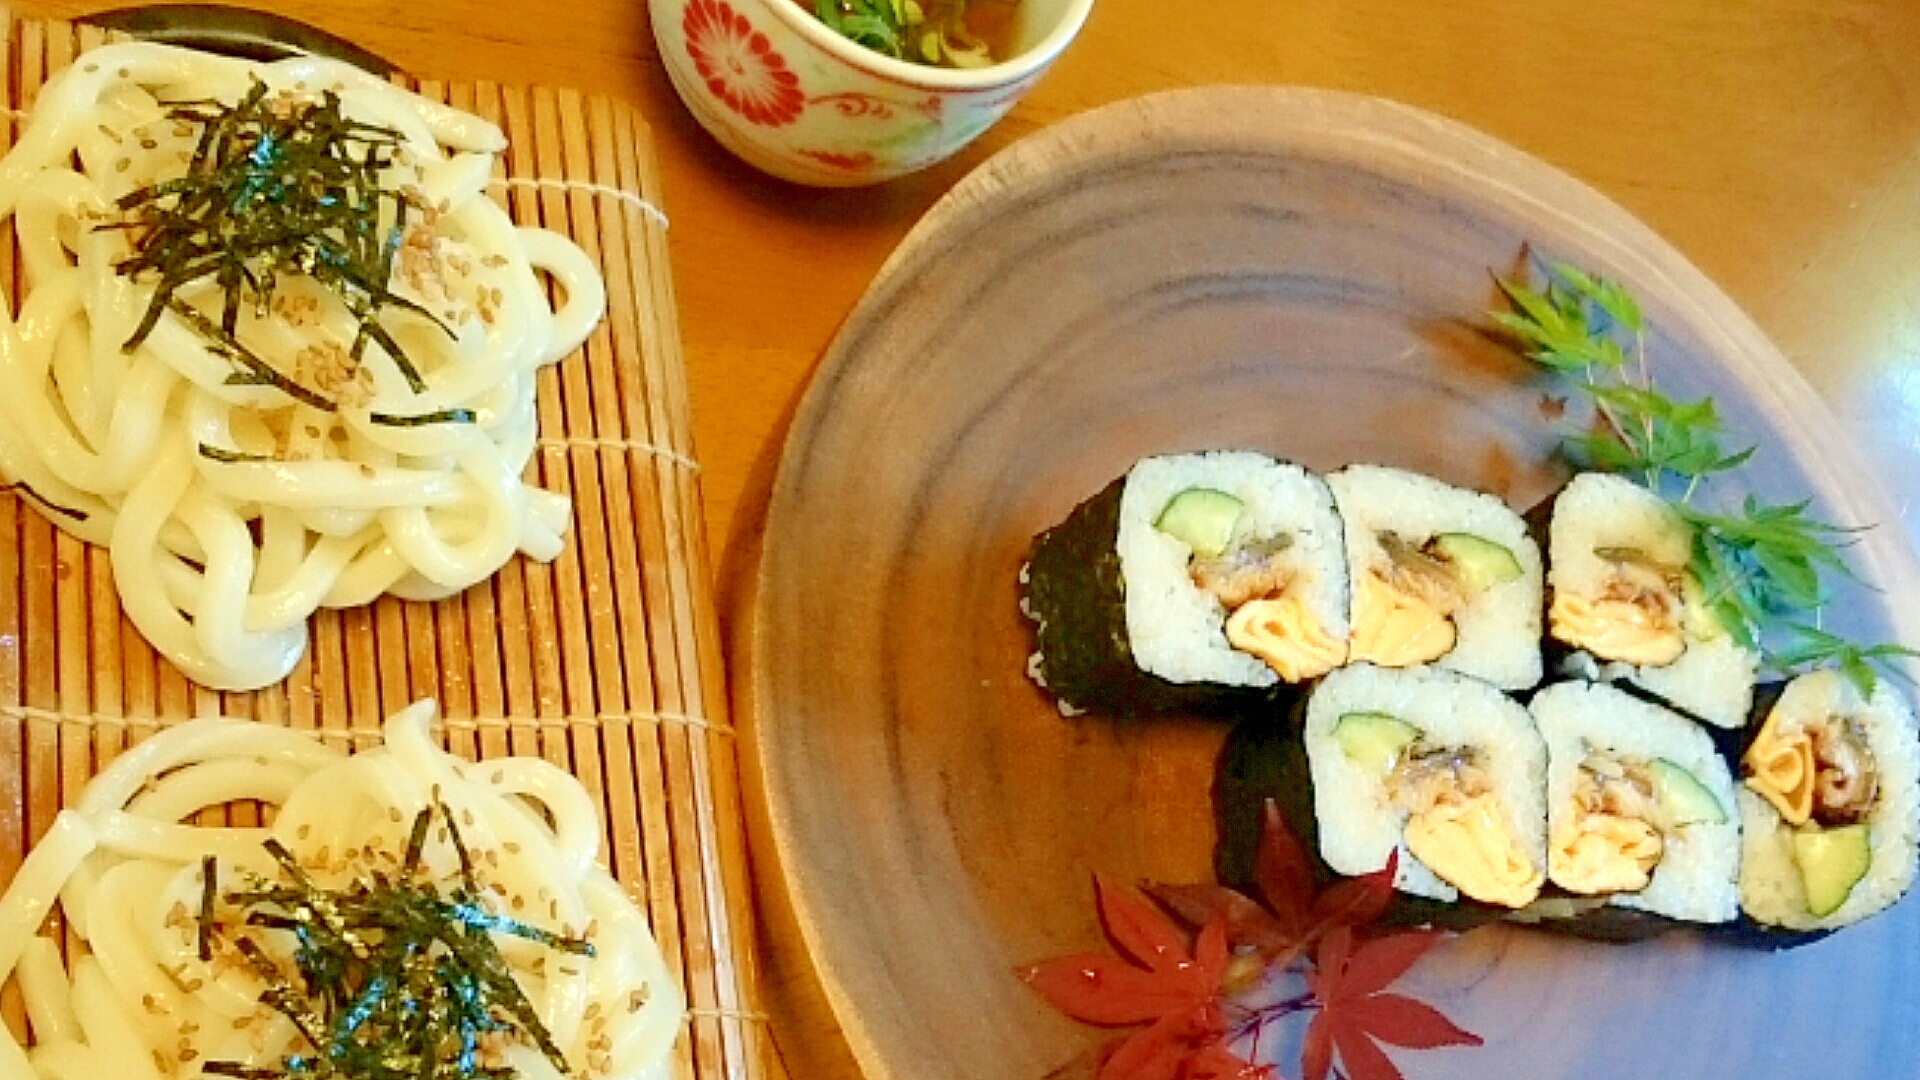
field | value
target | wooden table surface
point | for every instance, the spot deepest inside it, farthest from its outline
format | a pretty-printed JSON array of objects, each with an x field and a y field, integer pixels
[{"x": 1775, "y": 142}]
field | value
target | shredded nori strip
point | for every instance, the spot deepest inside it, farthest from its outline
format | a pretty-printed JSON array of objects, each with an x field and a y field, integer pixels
[
  {"x": 209, "y": 884},
  {"x": 278, "y": 184},
  {"x": 395, "y": 981},
  {"x": 21, "y": 487},
  {"x": 444, "y": 416},
  {"x": 231, "y": 457}
]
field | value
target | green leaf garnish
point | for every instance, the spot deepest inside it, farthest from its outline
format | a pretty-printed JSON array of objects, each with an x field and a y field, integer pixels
[
  {"x": 1606, "y": 295},
  {"x": 1763, "y": 562},
  {"x": 1814, "y": 648},
  {"x": 1755, "y": 567},
  {"x": 1569, "y": 328}
]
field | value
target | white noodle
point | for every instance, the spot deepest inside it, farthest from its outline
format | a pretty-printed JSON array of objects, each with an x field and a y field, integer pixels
[
  {"x": 125, "y": 864},
  {"x": 221, "y": 563}
]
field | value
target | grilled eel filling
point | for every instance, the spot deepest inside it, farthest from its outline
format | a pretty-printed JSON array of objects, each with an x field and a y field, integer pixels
[{"x": 1819, "y": 771}]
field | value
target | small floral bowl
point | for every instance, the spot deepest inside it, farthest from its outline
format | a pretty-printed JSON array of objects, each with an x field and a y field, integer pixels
[{"x": 797, "y": 100}]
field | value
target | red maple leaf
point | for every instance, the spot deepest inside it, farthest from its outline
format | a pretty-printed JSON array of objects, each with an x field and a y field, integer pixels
[
  {"x": 1356, "y": 1014},
  {"x": 1178, "y": 993},
  {"x": 1292, "y": 918},
  {"x": 1156, "y": 981}
]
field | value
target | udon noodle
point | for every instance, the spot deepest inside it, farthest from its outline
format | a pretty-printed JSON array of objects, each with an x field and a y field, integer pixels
[
  {"x": 233, "y": 509},
  {"x": 138, "y": 1003}
]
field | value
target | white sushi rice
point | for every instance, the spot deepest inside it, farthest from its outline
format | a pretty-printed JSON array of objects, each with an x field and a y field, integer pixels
[
  {"x": 1696, "y": 878},
  {"x": 1359, "y": 827},
  {"x": 1178, "y": 630},
  {"x": 1770, "y": 884},
  {"x": 1498, "y": 632},
  {"x": 1713, "y": 678}
]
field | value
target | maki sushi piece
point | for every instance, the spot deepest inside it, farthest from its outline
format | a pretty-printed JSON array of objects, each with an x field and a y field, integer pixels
[
  {"x": 1830, "y": 805},
  {"x": 1440, "y": 575},
  {"x": 1191, "y": 583},
  {"x": 1264, "y": 761},
  {"x": 1640, "y": 805},
  {"x": 1622, "y": 598},
  {"x": 1444, "y": 767}
]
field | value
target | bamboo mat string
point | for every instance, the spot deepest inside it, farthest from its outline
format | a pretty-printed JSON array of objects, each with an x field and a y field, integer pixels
[
  {"x": 593, "y": 442},
  {"x": 537, "y": 183},
  {"x": 605, "y": 662}
]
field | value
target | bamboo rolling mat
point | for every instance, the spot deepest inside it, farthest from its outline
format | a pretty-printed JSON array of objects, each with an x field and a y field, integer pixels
[{"x": 605, "y": 662}]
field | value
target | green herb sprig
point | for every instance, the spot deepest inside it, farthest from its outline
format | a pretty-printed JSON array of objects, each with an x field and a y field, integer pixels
[
  {"x": 1814, "y": 647},
  {"x": 903, "y": 30},
  {"x": 1569, "y": 328},
  {"x": 276, "y": 186},
  {"x": 1762, "y": 566},
  {"x": 396, "y": 981}
]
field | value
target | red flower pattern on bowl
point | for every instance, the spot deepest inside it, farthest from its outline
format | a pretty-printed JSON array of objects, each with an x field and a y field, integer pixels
[{"x": 740, "y": 66}]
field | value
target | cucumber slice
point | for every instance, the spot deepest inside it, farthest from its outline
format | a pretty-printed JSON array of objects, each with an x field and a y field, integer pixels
[
  {"x": 1480, "y": 563},
  {"x": 1699, "y": 617},
  {"x": 1373, "y": 741},
  {"x": 1832, "y": 862},
  {"x": 1683, "y": 799},
  {"x": 1201, "y": 518}
]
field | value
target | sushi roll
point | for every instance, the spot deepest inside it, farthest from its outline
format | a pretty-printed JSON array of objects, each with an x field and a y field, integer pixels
[
  {"x": 1189, "y": 583},
  {"x": 1444, "y": 767},
  {"x": 1623, "y": 600},
  {"x": 1440, "y": 575},
  {"x": 1830, "y": 805},
  {"x": 1640, "y": 805}
]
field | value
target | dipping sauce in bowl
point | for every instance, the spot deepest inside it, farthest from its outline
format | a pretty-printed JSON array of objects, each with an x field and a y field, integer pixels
[{"x": 798, "y": 100}]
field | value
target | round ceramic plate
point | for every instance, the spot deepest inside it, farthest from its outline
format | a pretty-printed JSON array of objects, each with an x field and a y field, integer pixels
[{"x": 1294, "y": 271}]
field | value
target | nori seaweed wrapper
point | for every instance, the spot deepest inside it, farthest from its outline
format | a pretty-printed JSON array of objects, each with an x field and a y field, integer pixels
[{"x": 1073, "y": 592}]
